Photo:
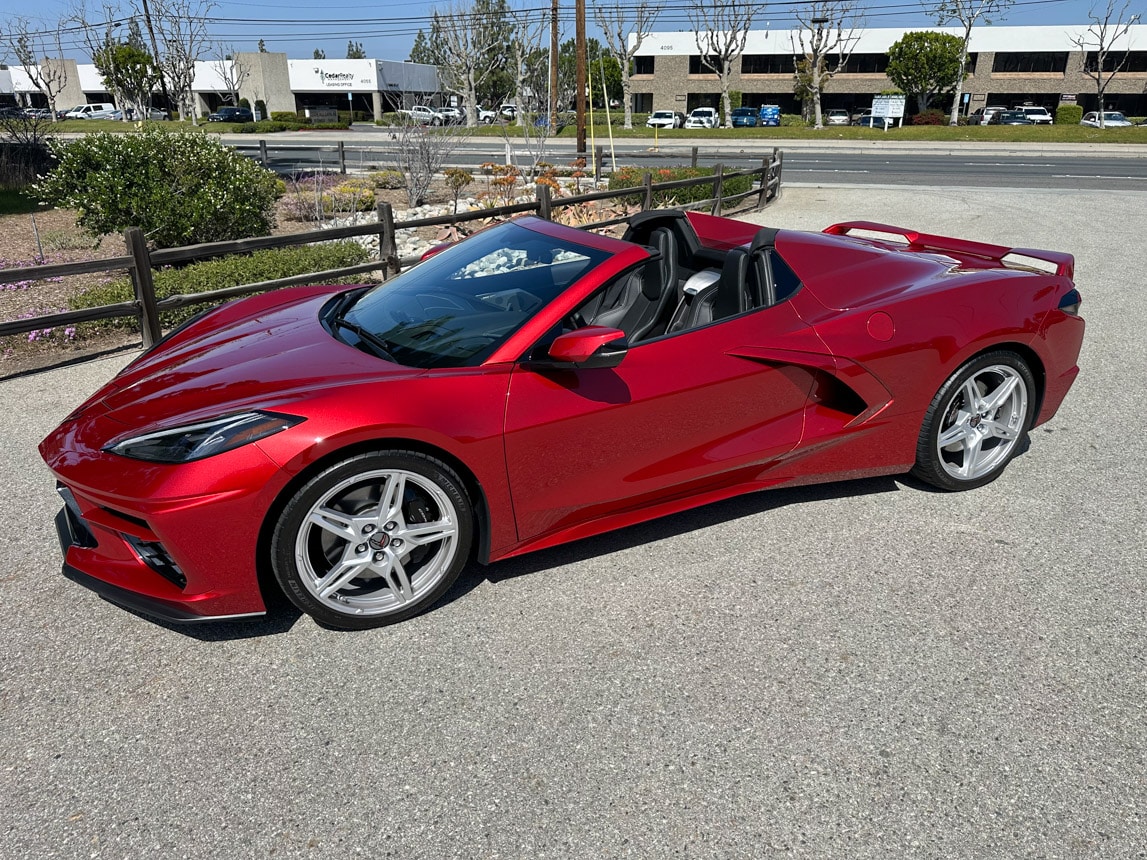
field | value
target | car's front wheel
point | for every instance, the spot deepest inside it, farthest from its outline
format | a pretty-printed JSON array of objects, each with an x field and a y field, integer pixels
[
  {"x": 373, "y": 539},
  {"x": 976, "y": 423}
]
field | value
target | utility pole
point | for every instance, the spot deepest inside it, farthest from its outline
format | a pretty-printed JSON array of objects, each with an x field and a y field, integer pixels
[
  {"x": 554, "y": 67},
  {"x": 580, "y": 49}
]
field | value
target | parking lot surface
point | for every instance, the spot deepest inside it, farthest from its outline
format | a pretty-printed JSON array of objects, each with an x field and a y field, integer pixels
[{"x": 863, "y": 669}]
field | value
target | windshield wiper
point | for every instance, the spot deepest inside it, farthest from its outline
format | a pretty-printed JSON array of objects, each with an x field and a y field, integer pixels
[{"x": 380, "y": 347}]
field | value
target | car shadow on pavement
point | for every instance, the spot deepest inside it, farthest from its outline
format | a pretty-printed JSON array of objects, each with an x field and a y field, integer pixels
[{"x": 703, "y": 517}]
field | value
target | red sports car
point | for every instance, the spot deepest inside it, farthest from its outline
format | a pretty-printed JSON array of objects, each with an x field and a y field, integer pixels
[{"x": 534, "y": 384}]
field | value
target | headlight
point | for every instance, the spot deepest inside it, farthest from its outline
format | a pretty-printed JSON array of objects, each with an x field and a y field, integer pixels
[{"x": 196, "y": 441}]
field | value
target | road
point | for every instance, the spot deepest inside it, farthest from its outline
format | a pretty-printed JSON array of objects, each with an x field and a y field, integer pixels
[
  {"x": 857, "y": 670},
  {"x": 878, "y": 163}
]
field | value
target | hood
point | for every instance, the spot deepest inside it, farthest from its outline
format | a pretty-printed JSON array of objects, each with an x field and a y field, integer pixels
[{"x": 261, "y": 351}]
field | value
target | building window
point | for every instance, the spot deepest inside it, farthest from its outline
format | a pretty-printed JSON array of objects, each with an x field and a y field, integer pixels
[
  {"x": 696, "y": 100},
  {"x": 696, "y": 67},
  {"x": 864, "y": 64},
  {"x": 643, "y": 102},
  {"x": 766, "y": 64},
  {"x": 1133, "y": 61},
  {"x": 643, "y": 65},
  {"x": 1039, "y": 61}
]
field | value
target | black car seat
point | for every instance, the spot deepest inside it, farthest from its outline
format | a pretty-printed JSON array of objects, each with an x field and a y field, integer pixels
[
  {"x": 641, "y": 303},
  {"x": 643, "y": 224}
]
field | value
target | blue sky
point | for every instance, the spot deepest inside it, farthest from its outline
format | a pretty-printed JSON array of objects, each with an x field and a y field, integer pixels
[{"x": 386, "y": 29}]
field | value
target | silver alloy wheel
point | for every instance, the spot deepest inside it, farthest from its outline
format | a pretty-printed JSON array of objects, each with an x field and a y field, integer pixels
[
  {"x": 377, "y": 542},
  {"x": 982, "y": 422}
]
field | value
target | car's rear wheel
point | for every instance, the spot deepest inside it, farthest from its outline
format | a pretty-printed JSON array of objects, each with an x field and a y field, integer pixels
[
  {"x": 976, "y": 423},
  {"x": 374, "y": 539}
]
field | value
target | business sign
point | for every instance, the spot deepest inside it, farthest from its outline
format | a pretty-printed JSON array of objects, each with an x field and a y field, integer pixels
[
  {"x": 889, "y": 106},
  {"x": 332, "y": 75}
]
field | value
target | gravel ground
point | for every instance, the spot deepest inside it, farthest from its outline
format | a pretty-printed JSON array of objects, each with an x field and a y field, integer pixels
[{"x": 853, "y": 670}]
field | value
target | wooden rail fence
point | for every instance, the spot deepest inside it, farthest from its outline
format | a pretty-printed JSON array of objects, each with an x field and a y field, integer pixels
[{"x": 139, "y": 261}]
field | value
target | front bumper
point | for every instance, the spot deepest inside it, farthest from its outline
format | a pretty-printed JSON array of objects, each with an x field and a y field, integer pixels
[{"x": 73, "y": 531}]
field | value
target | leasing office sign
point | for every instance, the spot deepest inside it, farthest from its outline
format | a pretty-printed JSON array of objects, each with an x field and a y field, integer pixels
[{"x": 332, "y": 75}]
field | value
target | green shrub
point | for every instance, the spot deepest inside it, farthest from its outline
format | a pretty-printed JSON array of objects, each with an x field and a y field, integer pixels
[
  {"x": 179, "y": 188},
  {"x": 224, "y": 272},
  {"x": 245, "y": 103},
  {"x": 284, "y": 116},
  {"x": 261, "y": 108},
  {"x": 792, "y": 119},
  {"x": 266, "y": 126},
  {"x": 632, "y": 177},
  {"x": 1068, "y": 115}
]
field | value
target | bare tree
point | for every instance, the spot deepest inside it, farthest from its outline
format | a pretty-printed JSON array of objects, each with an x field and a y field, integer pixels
[
  {"x": 182, "y": 29},
  {"x": 467, "y": 45},
  {"x": 966, "y": 13},
  {"x": 1101, "y": 60},
  {"x": 721, "y": 28},
  {"x": 524, "y": 48},
  {"x": 231, "y": 70},
  {"x": 624, "y": 38},
  {"x": 823, "y": 43},
  {"x": 30, "y": 48},
  {"x": 420, "y": 153}
]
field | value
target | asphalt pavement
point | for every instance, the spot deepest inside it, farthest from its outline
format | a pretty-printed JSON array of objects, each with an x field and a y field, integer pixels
[{"x": 854, "y": 670}]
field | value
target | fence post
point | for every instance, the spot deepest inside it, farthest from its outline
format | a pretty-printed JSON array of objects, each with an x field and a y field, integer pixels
[
  {"x": 647, "y": 202},
  {"x": 763, "y": 197},
  {"x": 342, "y": 157},
  {"x": 387, "y": 243},
  {"x": 144, "y": 286},
  {"x": 542, "y": 193},
  {"x": 693, "y": 161},
  {"x": 598, "y": 152},
  {"x": 779, "y": 160},
  {"x": 718, "y": 187},
  {"x": 263, "y": 152}
]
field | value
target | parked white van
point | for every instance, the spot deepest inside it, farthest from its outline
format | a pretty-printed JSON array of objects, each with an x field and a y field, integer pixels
[{"x": 94, "y": 110}]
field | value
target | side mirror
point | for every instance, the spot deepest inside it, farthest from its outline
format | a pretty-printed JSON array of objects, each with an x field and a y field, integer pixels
[{"x": 586, "y": 348}]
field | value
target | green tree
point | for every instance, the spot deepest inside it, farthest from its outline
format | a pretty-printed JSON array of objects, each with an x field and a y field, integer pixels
[
  {"x": 354, "y": 51},
  {"x": 925, "y": 64},
  {"x": 180, "y": 189},
  {"x": 128, "y": 70},
  {"x": 421, "y": 52},
  {"x": 320, "y": 54},
  {"x": 262, "y": 47}
]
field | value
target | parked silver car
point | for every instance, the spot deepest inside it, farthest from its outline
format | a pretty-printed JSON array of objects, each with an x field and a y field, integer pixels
[{"x": 1111, "y": 119}]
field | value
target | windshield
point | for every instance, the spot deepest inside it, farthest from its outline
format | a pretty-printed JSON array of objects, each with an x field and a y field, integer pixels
[{"x": 456, "y": 308}]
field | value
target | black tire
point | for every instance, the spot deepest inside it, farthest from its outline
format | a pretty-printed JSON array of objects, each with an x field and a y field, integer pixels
[
  {"x": 374, "y": 539},
  {"x": 982, "y": 437}
]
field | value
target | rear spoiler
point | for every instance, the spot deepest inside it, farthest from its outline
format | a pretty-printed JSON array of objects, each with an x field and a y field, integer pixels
[{"x": 1064, "y": 263}]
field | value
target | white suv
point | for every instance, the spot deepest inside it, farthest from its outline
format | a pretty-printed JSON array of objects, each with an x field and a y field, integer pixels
[
  {"x": 703, "y": 117},
  {"x": 1038, "y": 115}
]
